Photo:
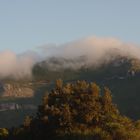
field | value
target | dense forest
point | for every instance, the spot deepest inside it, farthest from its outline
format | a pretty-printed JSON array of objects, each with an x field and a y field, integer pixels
[{"x": 75, "y": 111}]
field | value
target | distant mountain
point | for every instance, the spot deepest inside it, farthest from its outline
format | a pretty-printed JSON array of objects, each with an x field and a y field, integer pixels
[
  {"x": 121, "y": 74},
  {"x": 71, "y": 69}
]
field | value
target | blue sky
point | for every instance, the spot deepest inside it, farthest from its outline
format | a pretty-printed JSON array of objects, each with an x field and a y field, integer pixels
[{"x": 27, "y": 24}]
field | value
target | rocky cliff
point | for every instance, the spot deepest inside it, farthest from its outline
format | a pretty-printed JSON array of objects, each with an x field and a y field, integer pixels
[{"x": 16, "y": 90}]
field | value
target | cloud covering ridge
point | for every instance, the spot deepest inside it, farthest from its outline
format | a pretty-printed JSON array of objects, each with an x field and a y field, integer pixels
[{"x": 94, "y": 49}]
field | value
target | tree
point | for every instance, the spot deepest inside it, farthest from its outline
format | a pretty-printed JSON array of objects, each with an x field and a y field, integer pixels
[
  {"x": 3, "y": 133},
  {"x": 95, "y": 90},
  {"x": 59, "y": 84},
  {"x": 107, "y": 98},
  {"x": 27, "y": 121},
  {"x": 78, "y": 111}
]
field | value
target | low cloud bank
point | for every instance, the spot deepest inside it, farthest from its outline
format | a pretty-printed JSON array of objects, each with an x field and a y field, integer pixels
[
  {"x": 16, "y": 66},
  {"x": 94, "y": 50}
]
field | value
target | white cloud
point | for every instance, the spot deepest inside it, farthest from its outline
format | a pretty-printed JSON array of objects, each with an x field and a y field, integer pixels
[
  {"x": 96, "y": 50},
  {"x": 16, "y": 66}
]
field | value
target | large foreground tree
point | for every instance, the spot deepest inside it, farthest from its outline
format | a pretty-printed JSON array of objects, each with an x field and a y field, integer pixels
[{"x": 77, "y": 111}]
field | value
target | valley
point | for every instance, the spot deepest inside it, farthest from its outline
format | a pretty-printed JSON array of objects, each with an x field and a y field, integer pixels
[{"x": 121, "y": 75}]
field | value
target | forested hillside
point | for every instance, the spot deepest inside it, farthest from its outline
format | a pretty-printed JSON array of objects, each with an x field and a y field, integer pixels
[
  {"x": 121, "y": 75},
  {"x": 76, "y": 111}
]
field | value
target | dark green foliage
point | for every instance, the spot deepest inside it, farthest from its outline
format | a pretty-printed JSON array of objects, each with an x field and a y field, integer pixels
[{"x": 77, "y": 111}]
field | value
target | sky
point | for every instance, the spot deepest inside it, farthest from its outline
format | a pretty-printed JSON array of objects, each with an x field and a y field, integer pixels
[{"x": 28, "y": 24}]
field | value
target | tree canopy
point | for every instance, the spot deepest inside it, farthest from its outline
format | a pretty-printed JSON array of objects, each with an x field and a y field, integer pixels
[{"x": 77, "y": 111}]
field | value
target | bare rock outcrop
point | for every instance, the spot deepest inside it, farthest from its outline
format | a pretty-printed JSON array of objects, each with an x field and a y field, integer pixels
[{"x": 16, "y": 90}]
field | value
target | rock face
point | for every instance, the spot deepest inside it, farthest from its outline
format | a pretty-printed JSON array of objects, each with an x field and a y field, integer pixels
[{"x": 15, "y": 90}]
